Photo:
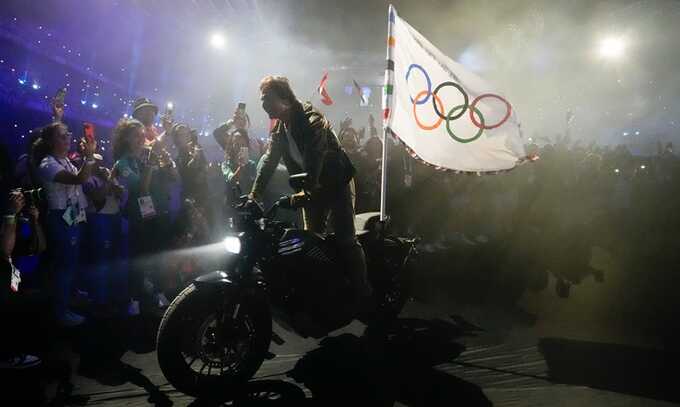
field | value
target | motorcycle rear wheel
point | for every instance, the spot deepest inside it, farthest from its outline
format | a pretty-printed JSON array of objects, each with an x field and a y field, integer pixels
[{"x": 191, "y": 357}]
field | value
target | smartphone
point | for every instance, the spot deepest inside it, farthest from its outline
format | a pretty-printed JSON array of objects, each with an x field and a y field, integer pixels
[
  {"x": 59, "y": 97},
  {"x": 241, "y": 107},
  {"x": 169, "y": 108},
  {"x": 88, "y": 131}
]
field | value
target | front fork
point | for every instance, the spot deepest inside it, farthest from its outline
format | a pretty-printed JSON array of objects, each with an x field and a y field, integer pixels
[{"x": 229, "y": 310}]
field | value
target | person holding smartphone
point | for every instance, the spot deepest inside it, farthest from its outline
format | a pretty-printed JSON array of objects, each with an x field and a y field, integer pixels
[
  {"x": 66, "y": 203},
  {"x": 191, "y": 164},
  {"x": 133, "y": 171},
  {"x": 240, "y": 121},
  {"x": 238, "y": 169}
]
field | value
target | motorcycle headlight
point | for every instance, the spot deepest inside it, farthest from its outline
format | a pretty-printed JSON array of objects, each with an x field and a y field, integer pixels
[{"x": 232, "y": 244}]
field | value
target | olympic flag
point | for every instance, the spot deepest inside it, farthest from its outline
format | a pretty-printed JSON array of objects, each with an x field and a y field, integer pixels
[{"x": 445, "y": 115}]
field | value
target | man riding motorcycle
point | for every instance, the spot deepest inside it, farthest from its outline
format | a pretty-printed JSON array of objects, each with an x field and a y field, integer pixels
[{"x": 303, "y": 138}]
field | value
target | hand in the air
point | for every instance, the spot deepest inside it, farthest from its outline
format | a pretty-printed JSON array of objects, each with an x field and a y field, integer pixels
[
  {"x": 16, "y": 202},
  {"x": 88, "y": 147},
  {"x": 57, "y": 112}
]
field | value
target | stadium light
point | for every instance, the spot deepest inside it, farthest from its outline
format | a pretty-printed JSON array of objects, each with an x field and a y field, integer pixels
[
  {"x": 217, "y": 40},
  {"x": 612, "y": 47}
]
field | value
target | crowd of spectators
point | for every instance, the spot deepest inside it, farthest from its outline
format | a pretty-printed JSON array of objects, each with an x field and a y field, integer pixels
[{"x": 106, "y": 240}]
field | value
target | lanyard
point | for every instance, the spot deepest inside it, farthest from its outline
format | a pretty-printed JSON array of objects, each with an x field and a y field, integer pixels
[{"x": 71, "y": 190}]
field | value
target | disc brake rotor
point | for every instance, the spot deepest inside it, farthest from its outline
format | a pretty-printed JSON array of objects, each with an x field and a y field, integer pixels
[{"x": 227, "y": 355}]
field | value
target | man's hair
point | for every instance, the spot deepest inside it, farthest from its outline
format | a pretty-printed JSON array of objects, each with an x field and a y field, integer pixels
[{"x": 279, "y": 85}]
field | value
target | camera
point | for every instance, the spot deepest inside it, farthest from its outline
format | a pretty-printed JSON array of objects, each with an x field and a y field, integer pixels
[{"x": 33, "y": 197}]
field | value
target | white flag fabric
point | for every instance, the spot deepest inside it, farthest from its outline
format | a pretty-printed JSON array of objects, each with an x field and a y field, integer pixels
[{"x": 444, "y": 114}]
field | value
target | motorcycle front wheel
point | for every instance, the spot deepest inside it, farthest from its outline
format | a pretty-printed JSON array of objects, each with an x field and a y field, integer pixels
[{"x": 208, "y": 352}]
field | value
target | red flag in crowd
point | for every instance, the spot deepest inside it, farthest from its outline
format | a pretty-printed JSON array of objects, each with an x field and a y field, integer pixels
[{"x": 325, "y": 98}]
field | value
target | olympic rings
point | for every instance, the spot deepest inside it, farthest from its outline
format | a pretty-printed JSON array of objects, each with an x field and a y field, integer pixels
[
  {"x": 438, "y": 122},
  {"x": 465, "y": 103},
  {"x": 438, "y": 105},
  {"x": 429, "y": 83},
  {"x": 490, "y": 95},
  {"x": 464, "y": 140}
]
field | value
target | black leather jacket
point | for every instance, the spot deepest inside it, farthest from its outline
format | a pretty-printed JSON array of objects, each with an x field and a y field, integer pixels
[{"x": 323, "y": 159}]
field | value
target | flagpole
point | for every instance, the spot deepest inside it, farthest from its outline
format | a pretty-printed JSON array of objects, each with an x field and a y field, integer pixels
[
  {"x": 386, "y": 113},
  {"x": 383, "y": 179}
]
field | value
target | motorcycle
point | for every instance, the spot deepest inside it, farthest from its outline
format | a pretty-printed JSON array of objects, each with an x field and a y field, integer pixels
[{"x": 216, "y": 333}]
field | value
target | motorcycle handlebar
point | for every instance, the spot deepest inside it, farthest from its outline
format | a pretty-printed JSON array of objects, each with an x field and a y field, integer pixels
[{"x": 255, "y": 209}]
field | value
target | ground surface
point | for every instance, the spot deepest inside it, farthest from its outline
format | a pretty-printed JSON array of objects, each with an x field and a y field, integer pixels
[{"x": 434, "y": 357}]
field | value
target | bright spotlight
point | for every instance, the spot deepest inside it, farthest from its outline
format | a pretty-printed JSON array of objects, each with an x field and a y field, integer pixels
[
  {"x": 612, "y": 47},
  {"x": 35, "y": 86},
  {"x": 642, "y": 167},
  {"x": 94, "y": 105},
  {"x": 217, "y": 40}
]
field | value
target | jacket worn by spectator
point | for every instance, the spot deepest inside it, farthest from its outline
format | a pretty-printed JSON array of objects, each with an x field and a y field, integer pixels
[{"x": 322, "y": 157}]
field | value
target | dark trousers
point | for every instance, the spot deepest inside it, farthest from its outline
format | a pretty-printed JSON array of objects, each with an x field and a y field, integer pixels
[
  {"x": 63, "y": 243},
  {"x": 336, "y": 207},
  {"x": 103, "y": 241},
  {"x": 147, "y": 241}
]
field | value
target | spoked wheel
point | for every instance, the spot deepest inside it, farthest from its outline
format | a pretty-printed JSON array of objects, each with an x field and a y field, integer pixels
[
  {"x": 210, "y": 352},
  {"x": 207, "y": 350}
]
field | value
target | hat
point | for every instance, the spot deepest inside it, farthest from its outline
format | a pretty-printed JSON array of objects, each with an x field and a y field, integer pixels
[
  {"x": 175, "y": 127},
  {"x": 141, "y": 103}
]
